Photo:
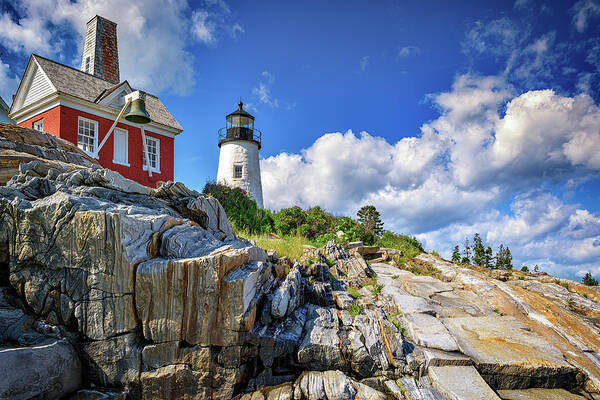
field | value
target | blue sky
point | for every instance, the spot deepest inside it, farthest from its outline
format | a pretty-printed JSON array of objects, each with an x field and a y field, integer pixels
[{"x": 450, "y": 118}]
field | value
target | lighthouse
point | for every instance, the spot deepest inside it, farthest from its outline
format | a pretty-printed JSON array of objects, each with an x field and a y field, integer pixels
[{"x": 240, "y": 142}]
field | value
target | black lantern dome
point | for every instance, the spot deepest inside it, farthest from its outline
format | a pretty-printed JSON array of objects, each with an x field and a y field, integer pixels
[{"x": 240, "y": 126}]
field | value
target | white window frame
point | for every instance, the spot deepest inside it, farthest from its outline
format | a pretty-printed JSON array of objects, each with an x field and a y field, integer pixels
[
  {"x": 157, "y": 142},
  {"x": 87, "y": 64},
  {"x": 92, "y": 153},
  {"x": 39, "y": 125},
  {"x": 241, "y": 166},
  {"x": 126, "y": 132}
]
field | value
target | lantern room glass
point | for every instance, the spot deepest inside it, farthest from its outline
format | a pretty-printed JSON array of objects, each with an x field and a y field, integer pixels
[{"x": 240, "y": 121}]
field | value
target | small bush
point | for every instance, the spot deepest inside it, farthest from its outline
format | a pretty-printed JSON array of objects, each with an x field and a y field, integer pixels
[
  {"x": 354, "y": 310},
  {"x": 571, "y": 302},
  {"x": 241, "y": 209},
  {"x": 352, "y": 291}
]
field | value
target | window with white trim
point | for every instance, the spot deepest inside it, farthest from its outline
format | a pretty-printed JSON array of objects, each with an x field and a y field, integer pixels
[
  {"x": 238, "y": 169},
  {"x": 120, "y": 147},
  {"x": 87, "y": 135},
  {"x": 153, "y": 147},
  {"x": 39, "y": 125},
  {"x": 87, "y": 64}
]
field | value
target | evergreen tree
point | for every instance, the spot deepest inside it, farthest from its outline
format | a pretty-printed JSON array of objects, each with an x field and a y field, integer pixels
[
  {"x": 456, "y": 255},
  {"x": 467, "y": 253},
  {"x": 489, "y": 258},
  {"x": 478, "y": 250},
  {"x": 589, "y": 280},
  {"x": 525, "y": 268},
  {"x": 500, "y": 256},
  {"x": 536, "y": 268},
  {"x": 508, "y": 259},
  {"x": 369, "y": 217}
]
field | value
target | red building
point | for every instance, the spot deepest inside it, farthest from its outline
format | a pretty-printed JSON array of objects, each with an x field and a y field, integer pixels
[{"x": 81, "y": 105}]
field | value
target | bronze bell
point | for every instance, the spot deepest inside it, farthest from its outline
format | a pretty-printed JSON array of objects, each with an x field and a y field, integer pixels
[{"x": 137, "y": 113}]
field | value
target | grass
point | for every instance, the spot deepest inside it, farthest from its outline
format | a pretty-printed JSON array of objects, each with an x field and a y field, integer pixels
[
  {"x": 330, "y": 263},
  {"x": 287, "y": 246},
  {"x": 401, "y": 386},
  {"x": 354, "y": 310},
  {"x": 398, "y": 326},
  {"x": 352, "y": 291},
  {"x": 497, "y": 310},
  {"x": 571, "y": 302},
  {"x": 409, "y": 246},
  {"x": 376, "y": 289},
  {"x": 417, "y": 267}
]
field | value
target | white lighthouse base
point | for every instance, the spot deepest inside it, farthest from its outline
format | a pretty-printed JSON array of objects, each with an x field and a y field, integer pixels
[{"x": 245, "y": 154}]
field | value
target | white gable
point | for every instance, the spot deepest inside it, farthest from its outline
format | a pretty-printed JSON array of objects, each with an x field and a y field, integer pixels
[
  {"x": 116, "y": 98},
  {"x": 37, "y": 86}
]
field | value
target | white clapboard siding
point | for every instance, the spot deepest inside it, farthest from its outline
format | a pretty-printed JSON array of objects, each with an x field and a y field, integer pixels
[{"x": 39, "y": 87}]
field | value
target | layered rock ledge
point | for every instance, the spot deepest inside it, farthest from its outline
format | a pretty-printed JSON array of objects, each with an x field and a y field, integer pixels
[{"x": 112, "y": 290}]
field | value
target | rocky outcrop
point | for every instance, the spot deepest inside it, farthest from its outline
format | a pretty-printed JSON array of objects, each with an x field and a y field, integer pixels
[
  {"x": 112, "y": 290},
  {"x": 21, "y": 146}
]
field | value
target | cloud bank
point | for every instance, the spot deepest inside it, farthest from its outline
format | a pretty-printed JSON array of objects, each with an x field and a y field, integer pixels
[
  {"x": 55, "y": 29},
  {"x": 488, "y": 146}
]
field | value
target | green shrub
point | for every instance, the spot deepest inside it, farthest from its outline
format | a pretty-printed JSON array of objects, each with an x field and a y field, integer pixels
[
  {"x": 354, "y": 310},
  {"x": 288, "y": 220},
  {"x": 409, "y": 246},
  {"x": 352, "y": 291},
  {"x": 241, "y": 209}
]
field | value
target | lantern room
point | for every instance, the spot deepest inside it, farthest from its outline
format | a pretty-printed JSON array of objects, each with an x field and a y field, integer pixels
[{"x": 240, "y": 126}]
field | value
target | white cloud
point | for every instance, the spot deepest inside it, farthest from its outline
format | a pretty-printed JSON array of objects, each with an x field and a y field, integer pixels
[
  {"x": 363, "y": 63},
  {"x": 263, "y": 90},
  {"x": 446, "y": 182},
  {"x": 28, "y": 34},
  {"x": 202, "y": 27},
  {"x": 407, "y": 51},
  {"x": 583, "y": 11},
  {"x": 213, "y": 18},
  {"x": 163, "y": 64},
  {"x": 8, "y": 83}
]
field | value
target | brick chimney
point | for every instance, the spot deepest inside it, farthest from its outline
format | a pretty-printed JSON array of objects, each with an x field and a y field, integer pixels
[{"x": 100, "y": 52}]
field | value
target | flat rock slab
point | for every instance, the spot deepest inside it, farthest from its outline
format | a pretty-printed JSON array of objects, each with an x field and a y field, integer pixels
[
  {"x": 461, "y": 383},
  {"x": 460, "y": 303},
  {"x": 509, "y": 355},
  {"x": 538, "y": 394},
  {"x": 425, "y": 286},
  {"x": 426, "y": 330},
  {"x": 439, "y": 358},
  {"x": 406, "y": 303},
  {"x": 388, "y": 271}
]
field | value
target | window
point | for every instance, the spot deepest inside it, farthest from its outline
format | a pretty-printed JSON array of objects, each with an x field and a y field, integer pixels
[
  {"x": 39, "y": 125},
  {"x": 153, "y": 146},
  {"x": 120, "y": 149},
  {"x": 237, "y": 171},
  {"x": 87, "y": 135},
  {"x": 87, "y": 65}
]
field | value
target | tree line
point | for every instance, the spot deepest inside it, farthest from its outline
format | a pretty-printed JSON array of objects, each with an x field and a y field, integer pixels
[{"x": 482, "y": 255}]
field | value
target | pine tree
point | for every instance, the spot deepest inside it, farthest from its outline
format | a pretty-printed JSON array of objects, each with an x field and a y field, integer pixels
[
  {"x": 589, "y": 280},
  {"x": 500, "y": 256},
  {"x": 478, "y": 250},
  {"x": 536, "y": 268},
  {"x": 508, "y": 259},
  {"x": 467, "y": 253},
  {"x": 369, "y": 217},
  {"x": 489, "y": 257},
  {"x": 456, "y": 255}
]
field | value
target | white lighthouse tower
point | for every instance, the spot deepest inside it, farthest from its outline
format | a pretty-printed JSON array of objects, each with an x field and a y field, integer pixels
[{"x": 238, "y": 161}]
